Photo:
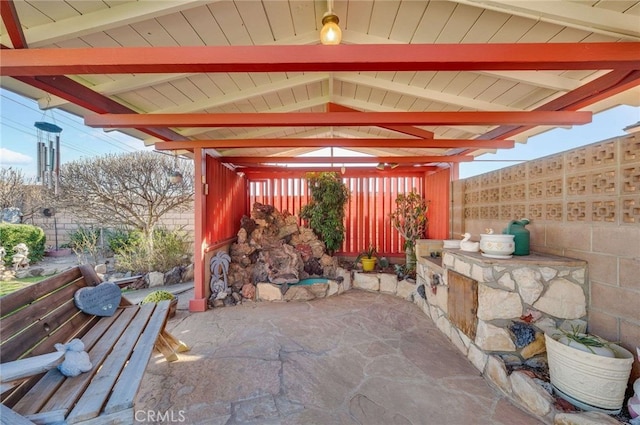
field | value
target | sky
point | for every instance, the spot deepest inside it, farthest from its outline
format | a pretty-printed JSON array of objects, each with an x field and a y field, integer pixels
[{"x": 18, "y": 137}]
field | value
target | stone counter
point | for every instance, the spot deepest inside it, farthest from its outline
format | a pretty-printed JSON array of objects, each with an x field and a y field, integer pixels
[{"x": 529, "y": 293}]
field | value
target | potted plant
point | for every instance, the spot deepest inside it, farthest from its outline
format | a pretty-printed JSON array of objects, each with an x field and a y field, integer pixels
[
  {"x": 410, "y": 220},
  {"x": 160, "y": 295},
  {"x": 588, "y": 371},
  {"x": 368, "y": 259}
]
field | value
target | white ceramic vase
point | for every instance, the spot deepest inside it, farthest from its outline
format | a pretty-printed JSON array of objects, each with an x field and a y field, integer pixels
[{"x": 587, "y": 380}]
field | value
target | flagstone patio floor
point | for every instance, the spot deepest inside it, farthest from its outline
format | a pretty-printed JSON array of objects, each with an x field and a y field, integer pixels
[{"x": 359, "y": 358}]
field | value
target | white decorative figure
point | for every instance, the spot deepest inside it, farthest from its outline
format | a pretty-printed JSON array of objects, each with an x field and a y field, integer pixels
[
  {"x": 634, "y": 402},
  {"x": 76, "y": 360},
  {"x": 3, "y": 253},
  {"x": 467, "y": 245},
  {"x": 21, "y": 257}
]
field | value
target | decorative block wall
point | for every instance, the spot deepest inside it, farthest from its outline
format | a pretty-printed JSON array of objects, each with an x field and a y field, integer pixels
[{"x": 584, "y": 203}]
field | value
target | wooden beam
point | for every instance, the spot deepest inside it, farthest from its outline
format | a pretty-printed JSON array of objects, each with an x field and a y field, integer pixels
[
  {"x": 344, "y": 159},
  {"x": 258, "y": 173},
  {"x": 12, "y": 24},
  {"x": 390, "y": 57},
  {"x": 84, "y": 97},
  {"x": 411, "y": 131},
  {"x": 601, "y": 88},
  {"x": 335, "y": 142},
  {"x": 310, "y": 119}
]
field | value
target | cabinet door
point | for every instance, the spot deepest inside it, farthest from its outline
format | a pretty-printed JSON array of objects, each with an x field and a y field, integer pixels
[{"x": 463, "y": 302}]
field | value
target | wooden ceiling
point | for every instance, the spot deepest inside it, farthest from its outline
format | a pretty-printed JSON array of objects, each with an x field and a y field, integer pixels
[{"x": 422, "y": 82}]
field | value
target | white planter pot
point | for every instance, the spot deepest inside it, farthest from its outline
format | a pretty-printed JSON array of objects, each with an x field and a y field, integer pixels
[
  {"x": 587, "y": 380},
  {"x": 497, "y": 246}
]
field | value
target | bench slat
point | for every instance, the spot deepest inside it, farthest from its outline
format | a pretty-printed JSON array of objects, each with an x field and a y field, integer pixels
[
  {"x": 71, "y": 389},
  {"x": 93, "y": 399},
  {"x": 9, "y": 417},
  {"x": 117, "y": 418},
  {"x": 47, "y": 386},
  {"x": 126, "y": 388},
  {"x": 38, "y": 331},
  {"x": 39, "y": 309},
  {"x": 25, "y": 296}
]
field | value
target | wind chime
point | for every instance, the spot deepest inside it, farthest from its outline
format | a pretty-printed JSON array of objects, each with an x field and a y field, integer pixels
[{"x": 48, "y": 136}]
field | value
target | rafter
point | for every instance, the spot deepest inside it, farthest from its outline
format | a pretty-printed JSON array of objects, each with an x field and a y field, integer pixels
[
  {"x": 334, "y": 142},
  {"x": 12, "y": 25},
  {"x": 310, "y": 119},
  {"x": 319, "y": 58},
  {"x": 414, "y": 160},
  {"x": 269, "y": 171}
]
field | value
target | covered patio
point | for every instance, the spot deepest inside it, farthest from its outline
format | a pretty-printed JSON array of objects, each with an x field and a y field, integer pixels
[{"x": 247, "y": 91}]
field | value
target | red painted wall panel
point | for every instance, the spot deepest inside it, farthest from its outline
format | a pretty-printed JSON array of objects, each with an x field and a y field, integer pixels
[{"x": 437, "y": 187}]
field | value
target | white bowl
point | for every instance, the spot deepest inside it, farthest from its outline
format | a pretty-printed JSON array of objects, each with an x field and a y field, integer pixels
[{"x": 497, "y": 246}]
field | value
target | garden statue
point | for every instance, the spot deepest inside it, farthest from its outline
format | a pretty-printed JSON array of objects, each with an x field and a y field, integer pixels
[
  {"x": 3, "y": 253},
  {"x": 21, "y": 256}
]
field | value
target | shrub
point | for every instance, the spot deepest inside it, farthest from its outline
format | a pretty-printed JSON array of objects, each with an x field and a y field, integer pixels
[
  {"x": 157, "y": 296},
  {"x": 166, "y": 250},
  {"x": 325, "y": 210},
  {"x": 122, "y": 239},
  {"x": 86, "y": 244},
  {"x": 13, "y": 234}
]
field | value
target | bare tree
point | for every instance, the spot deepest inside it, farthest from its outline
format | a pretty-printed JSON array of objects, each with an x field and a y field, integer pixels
[
  {"x": 132, "y": 190},
  {"x": 18, "y": 192}
]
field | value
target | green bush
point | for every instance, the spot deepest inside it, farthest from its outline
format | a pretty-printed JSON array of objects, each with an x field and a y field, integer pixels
[
  {"x": 166, "y": 250},
  {"x": 13, "y": 234},
  {"x": 121, "y": 239},
  {"x": 85, "y": 243},
  {"x": 325, "y": 210}
]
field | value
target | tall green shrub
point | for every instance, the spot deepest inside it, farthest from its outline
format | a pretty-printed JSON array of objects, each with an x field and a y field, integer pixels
[
  {"x": 13, "y": 234},
  {"x": 170, "y": 249},
  {"x": 325, "y": 211}
]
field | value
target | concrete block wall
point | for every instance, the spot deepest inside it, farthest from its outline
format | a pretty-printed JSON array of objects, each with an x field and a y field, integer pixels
[
  {"x": 584, "y": 203},
  {"x": 66, "y": 223}
]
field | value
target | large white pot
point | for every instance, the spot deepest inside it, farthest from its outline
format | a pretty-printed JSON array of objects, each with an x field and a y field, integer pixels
[
  {"x": 587, "y": 380},
  {"x": 497, "y": 246}
]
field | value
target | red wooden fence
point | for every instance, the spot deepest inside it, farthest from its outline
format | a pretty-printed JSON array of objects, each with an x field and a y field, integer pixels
[
  {"x": 367, "y": 213},
  {"x": 225, "y": 202}
]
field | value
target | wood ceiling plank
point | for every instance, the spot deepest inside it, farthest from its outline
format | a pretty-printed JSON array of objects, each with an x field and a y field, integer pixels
[
  {"x": 304, "y": 15},
  {"x": 125, "y": 36},
  {"x": 255, "y": 20},
  {"x": 172, "y": 93},
  {"x": 358, "y": 16},
  {"x": 206, "y": 27},
  {"x": 86, "y": 7},
  {"x": 338, "y": 119},
  {"x": 279, "y": 16},
  {"x": 484, "y": 28},
  {"x": 462, "y": 19},
  {"x": 179, "y": 29},
  {"x": 29, "y": 17},
  {"x": 154, "y": 33},
  {"x": 382, "y": 17},
  {"x": 229, "y": 20},
  {"x": 407, "y": 19},
  {"x": 105, "y": 19},
  {"x": 191, "y": 90},
  {"x": 56, "y": 11},
  {"x": 438, "y": 13}
]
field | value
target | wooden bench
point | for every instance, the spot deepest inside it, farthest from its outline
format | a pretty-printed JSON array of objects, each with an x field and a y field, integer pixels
[{"x": 37, "y": 317}]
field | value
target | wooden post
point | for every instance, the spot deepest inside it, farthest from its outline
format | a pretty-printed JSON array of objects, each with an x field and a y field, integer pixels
[{"x": 199, "y": 301}]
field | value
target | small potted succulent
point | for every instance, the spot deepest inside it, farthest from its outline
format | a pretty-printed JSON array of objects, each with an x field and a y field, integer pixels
[
  {"x": 368, "y": 259},
  {"x": 587, "y": 370},
  {"x": 157, "y": 296}
]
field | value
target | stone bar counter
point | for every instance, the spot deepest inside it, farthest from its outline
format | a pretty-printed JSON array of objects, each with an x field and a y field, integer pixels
[{"x": 502, "y": 306}]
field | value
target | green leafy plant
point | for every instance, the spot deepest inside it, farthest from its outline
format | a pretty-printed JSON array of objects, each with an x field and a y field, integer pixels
[
  {"x": 13, "y": 234},
  {"x": 85, "y": 242},
  {"x": 325, "y": 211},
  {"x": 410, "y": 220},
  {"x": 157, "y": 296},
  {"x": 121, "y": 239},
  {"x": 589, "y": 341},
  {"x": 168, "y": 249},
  {"x": 370, "y": 253}
]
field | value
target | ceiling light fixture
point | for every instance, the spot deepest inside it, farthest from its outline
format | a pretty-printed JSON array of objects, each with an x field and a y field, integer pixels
[{"x": 330, "y": 34}]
